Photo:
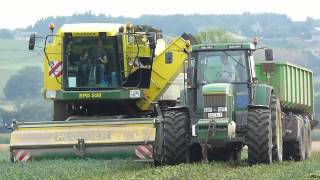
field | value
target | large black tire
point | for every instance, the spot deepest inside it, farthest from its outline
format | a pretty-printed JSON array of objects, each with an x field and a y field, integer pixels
[
  {"x": 259, "y": 136},
  {"x": 307, "y": 138},
  {"x": 175, "y": 137},
  {"x": 296, "y": 149},
  {"x": 60, "y": 112},
  {"x": 276, "y": 123}
]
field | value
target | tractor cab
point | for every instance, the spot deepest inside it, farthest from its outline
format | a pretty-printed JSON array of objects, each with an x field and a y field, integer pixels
[{"x": 223, "y": 74}]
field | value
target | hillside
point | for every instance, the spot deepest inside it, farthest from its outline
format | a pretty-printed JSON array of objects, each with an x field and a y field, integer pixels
[
  {"x": 264, "y": 25},
  {"x": 14, "y": 55}
]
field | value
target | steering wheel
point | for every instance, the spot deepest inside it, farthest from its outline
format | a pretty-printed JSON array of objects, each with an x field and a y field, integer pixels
[{"x": 221, "y": 74}]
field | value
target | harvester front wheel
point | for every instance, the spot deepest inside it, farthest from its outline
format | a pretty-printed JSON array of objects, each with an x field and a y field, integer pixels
[
  {"x": 259, "y": 136},
  {"x": 60, "y": 112},
  {"x": 276, "y": 121},
  {"x": 175, "y": 137}
]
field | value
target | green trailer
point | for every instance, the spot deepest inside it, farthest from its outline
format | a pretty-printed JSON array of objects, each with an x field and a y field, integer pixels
[
  {"x": 231, "y": 102},
  {"x": 292, "y": 84}
]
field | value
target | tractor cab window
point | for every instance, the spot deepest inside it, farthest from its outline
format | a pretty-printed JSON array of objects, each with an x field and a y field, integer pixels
[
  {"x": 222, "y": 67},
  {"x": 90, "y": 62}
]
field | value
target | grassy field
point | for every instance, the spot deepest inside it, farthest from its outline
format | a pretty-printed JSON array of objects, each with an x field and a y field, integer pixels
[
  {"x": 4, "y": 138},
  {"x": 14, "y": 55},
  {"x": 125, "y": 169}
]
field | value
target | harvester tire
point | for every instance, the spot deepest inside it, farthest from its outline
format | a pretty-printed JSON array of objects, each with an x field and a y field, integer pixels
[
  {"x": 276, "y": 123},
  {"x": 259, "y": 136},
  {"x": 307, "y": 139},
  {"x": 175, "y": 137},
  {"x": 60, "y": 112}
]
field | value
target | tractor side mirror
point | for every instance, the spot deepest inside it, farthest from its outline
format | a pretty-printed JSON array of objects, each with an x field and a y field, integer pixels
[
  {"x": 168, "y": 57},
  {"x": 268, "y": 54},
  {"x": 32, "y": 41}
]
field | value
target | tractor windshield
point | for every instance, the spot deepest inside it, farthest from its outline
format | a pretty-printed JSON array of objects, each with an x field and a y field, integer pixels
[
  {"x": 222, "y": 67},
  {"x": 90, "y": 62}
]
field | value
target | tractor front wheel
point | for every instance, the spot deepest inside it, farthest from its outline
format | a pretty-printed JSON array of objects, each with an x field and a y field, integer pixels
[{"x": 259, "y": 136}]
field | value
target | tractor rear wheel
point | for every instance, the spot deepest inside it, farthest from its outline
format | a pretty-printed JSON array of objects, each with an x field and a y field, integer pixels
[
  {"x": 175, "y": 137},
  {"x": 259, "y": 136},
  {"x": 276, "y": 121}
]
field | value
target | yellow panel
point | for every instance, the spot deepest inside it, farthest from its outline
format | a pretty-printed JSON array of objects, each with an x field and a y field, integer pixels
[
  {"x": 54, "y": 55},
  {"x": 163, "y": 74},
  {"x": 94, "y": 134}
]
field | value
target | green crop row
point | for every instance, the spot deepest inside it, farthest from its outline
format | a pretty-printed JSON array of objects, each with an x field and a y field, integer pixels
[{"x": 125, "y": 169}]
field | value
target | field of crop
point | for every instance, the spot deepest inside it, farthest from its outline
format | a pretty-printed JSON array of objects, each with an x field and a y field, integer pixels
[
  {"x": 14, "y": 55},
  {"x": 126, "y": 169}
]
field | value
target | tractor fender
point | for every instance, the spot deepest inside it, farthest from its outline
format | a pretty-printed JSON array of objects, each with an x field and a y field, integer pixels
[{"x": 262, "y": 96}]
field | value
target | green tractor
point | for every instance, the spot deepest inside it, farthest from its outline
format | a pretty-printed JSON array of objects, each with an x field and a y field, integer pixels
[{"x": 230, "y": 101}]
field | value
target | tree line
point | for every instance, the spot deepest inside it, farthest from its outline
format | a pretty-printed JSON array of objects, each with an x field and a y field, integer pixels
[{"x": 265, "y": 25}]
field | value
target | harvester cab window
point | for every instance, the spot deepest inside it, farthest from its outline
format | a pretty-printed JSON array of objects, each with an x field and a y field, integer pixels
[{"x": 90, "y": 62}]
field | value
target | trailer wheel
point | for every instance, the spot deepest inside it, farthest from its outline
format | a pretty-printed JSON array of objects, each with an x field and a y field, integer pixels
[
  {"x": 276, "y": 122},
  {"x": 307, "y": 139},
  {"x": 259, "y": 136},
  {"x": 175, "y": 137},
  {"x": 296, "y": 149}
]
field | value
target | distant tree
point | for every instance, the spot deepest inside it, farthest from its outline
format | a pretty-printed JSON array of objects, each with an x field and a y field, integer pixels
[
  {"x": 266, "y": 25},
  {"x": 33, "y": 111},
  {"x": 26, "y": 84},
  {"x": 6, "y": 34},
  {"x": 215, "y": 35}
]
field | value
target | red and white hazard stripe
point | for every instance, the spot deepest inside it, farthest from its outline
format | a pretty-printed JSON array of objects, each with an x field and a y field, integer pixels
[
  {"x": 21, "y": 155},
  {"x": 144, "y": 151},
  {"x": 55, "y": 69}
]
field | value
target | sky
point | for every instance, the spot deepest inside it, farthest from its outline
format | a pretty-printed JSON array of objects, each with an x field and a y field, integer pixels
[{"x": 22, "y": 13}]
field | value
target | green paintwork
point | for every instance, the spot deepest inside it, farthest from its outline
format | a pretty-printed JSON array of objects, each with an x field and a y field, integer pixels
[
  {"x": 223, "y": 46},
  {"x": 119, "y": 94},
  {"x": 262, "y": 95},
  {"x": 98, "y": 155},
  {"x": 217, "y": 88},
  {"x": 221, "y": 131},
  {"x": 221, "y": 124},
  {"x": 90, "y": 151},
  {"x": 292, "y": 84}
]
